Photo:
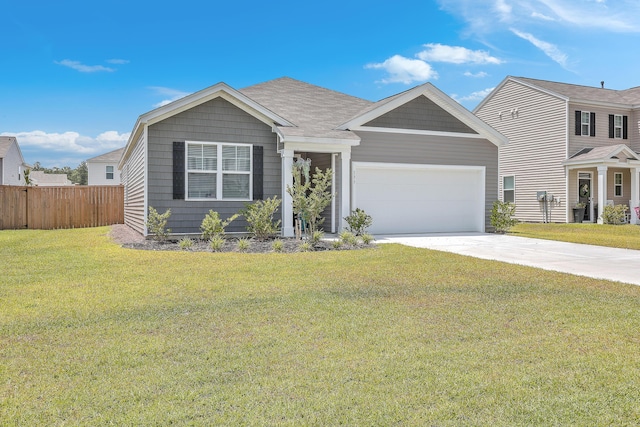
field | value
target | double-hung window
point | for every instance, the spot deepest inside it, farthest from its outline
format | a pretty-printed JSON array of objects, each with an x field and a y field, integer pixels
[
  {"x": 509, "y": 189},
  {"x": 585, "y": 123},
  {"x": 617, "y": 184},
  {"x": 617, "y": 126},
  {"x": 109, "y": 172},
  {"x": 218, "y": 171}
]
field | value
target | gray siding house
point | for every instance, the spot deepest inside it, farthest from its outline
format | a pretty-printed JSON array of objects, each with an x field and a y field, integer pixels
[
  {"x": 12, "y": 165},
  {"x": 416, "y": 162},
  {"x": 578, "y": 144}
]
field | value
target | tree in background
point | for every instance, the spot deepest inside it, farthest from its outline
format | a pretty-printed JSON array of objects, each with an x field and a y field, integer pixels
[{"x": 79, "y": 175}]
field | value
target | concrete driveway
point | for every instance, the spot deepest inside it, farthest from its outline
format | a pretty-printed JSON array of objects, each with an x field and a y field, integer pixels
[{"x": 621, "y": 265}]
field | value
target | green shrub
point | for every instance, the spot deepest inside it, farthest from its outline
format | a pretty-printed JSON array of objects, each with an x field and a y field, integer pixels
[
  {"x": 316, "y": 237},
  {"x": 502, "y": 216},
  {"x": 259, "y": 215},
  {"x": 367, "y": 238},
  {"x": 358, "y": 222},
  {"x": 243, "y": 245},
  {"x": 348, "y": 238},
  {"x": 336, "y": 244},
  {"x": 305, "y": 246},
  {"x": 157, "y": 224},
  {"x": 185, "y": 243},
  {"x": 217, "y": 243},
  {"x": 277, "y": 245},
  {"x": 615, "y": 215},
  {"x": 212, "y": 225}
]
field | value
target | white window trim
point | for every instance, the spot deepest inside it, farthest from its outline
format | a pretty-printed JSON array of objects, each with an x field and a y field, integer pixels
[
  {"x": 513, "y": 189},
  {"x": 617, "y": 127},
  {"x": 616, "y": 186},
  {"x": 218, "y": 172},
  {"x": 107, "y": 172},
  {"x": 586, "y": 114}
]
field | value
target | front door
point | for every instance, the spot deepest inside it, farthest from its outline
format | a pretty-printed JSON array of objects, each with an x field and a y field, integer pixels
[{"x": 584, "y": 193}]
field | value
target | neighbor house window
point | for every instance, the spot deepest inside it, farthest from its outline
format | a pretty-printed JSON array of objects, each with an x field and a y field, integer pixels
[
  {"x": 509, "y": 189},
  {"x": 586, "y": 123},
  {"x": 218, "y": 171},
  {"x": 109, "y": 172},
  {"x": 617, "y": 126},
  {"x": 617, "y": 184}
]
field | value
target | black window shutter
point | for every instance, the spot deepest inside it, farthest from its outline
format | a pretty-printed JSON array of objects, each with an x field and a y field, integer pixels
[
  {"x": 178, "y": 170},
  {"x": 578, "y": 122},
  {"x": 612, "y": 126},
  {"x": 592, "y": 123},
  {"x": 624, "y": 128},
  {"x": 258, "y": 173}
]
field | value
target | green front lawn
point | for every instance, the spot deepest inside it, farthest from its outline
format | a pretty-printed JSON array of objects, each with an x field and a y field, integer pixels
[
  {"x": 93, "y": 334},
  {"x": 615, "y": 236}
]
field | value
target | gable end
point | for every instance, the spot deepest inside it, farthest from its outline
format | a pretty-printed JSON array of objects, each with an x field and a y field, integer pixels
[{"x": 420, "y": 113}]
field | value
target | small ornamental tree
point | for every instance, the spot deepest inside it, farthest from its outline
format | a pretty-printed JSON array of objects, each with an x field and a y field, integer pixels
[
  {"x": 310, "y": 196},
  {"x": 502, "y": 216}
]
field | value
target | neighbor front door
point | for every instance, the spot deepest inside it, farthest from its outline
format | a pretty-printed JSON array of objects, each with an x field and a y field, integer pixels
[{"x": 584, "y": 193}]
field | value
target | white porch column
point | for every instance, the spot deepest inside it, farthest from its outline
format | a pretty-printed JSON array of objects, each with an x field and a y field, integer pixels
[
  {"x": 602, "y": 191},
  {"x": 635, "y": 189},
  {"x": 345, "y": 190},
  {"x": 287, "y": 200}
]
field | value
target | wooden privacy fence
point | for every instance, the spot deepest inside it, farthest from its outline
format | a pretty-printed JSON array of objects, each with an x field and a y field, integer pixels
[{"x": 50, "y": 208}]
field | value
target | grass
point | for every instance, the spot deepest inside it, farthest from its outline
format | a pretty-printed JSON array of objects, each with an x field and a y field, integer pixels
[
  {"x": 93, "y": 334},
  {"x": 615, "y": 236}
]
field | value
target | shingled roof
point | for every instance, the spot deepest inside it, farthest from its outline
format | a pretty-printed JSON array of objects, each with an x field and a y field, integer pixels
[
  {"x": 315, "y": 111},
  {"x": 586, "y": 93}
]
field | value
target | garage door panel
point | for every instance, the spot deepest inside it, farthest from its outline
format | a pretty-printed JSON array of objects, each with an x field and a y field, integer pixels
[{"x": 420, "y": 199}]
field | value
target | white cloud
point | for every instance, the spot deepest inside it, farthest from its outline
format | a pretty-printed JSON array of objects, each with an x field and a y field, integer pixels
[
  {"x": 474, "y": 96},
  {"x": 47, "y": 147},
  {"x": 456, "y": 55},
  {"x": 480, "y": 74},
  {"x": 118, "y": 61},
  {"x": 78, "y": 66},
  {"x": 171, "y": 94},
  {"x": 486, "y": 16},
  {"x": 549, "y": 49},
  {"x": 405, "y": 70}
]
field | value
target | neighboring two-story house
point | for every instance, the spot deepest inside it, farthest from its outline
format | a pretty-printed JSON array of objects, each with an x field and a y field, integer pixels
[
  {"x": 12, "y": 165},
  {"x": 103, "y": 169},
  {"x": 568, "y": 144}
]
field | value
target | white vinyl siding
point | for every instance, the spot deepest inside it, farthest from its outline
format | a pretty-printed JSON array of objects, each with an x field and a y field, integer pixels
[
  {"x": 217, "y": 171},
  {"x": 537, "y": 145}
]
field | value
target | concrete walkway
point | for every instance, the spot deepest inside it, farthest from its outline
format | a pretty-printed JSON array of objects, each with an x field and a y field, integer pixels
[{"x": 621, "y": 265}]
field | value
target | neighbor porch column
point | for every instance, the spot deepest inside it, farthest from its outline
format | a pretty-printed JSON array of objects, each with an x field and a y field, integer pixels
[
  {"x": 635, "y": 188},
  {"x": 602, "y": 191},
  {"x": 345, "y": 190},
  {"x": 287, "y": 200}
]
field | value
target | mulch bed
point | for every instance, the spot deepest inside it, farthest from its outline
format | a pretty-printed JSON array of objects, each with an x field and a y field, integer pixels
[{"x": 128, "y": 238}]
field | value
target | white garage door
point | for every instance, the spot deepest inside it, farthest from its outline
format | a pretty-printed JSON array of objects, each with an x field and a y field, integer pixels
[{"x": 420, "y": 198}]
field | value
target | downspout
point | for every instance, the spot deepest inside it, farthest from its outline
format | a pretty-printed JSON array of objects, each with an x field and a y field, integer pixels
[
  {"x": 566, "y": 169},
  {"x": 333, "y": 192}
]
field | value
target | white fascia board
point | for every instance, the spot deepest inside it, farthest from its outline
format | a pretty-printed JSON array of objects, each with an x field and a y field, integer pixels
[
  {"x": 314, "y": 147},
  {"x": 183, "y": 104},
  {"x": 588, "y": 102},
  {"x": 417, "y": 132},
  {"x": 320, "y": 141}
]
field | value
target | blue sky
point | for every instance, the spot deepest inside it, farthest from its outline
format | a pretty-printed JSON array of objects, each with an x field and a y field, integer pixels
[{"x": 75, "y": 75}]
